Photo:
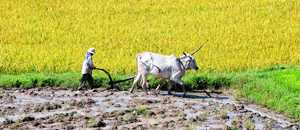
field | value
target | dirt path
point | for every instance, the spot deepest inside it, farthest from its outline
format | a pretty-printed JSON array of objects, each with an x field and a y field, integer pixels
[{"x": 66, "y": 109}]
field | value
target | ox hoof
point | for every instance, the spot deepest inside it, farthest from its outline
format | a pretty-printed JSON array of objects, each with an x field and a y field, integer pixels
[{"x": 157, "y": 92}]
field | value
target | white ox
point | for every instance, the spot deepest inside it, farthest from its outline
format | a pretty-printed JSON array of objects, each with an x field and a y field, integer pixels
[{"x": 165, "y": 67}]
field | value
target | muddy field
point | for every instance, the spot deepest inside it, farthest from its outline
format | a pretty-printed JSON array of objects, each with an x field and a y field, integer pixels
[{"x": 50, "y": 108}]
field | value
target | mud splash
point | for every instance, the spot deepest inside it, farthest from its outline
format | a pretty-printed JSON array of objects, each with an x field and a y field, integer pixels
[{"x": 50, "y": 108}]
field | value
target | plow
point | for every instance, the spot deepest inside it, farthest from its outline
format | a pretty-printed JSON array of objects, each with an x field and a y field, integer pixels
[{"x": 111, "y": 82}]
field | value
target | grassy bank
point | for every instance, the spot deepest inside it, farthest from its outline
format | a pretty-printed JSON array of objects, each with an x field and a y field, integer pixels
[
  {"x": 64, "y": 80},
  {"x": 71, "y": 80},
  {"x": 277, "y": 88}
]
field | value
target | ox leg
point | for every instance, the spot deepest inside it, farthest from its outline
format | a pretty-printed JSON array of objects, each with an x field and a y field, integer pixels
[
  {"x": 184, "y": 90},
  {"x": 176, "y": 78},
  {"x": 145, "y": 84},
  {"x": 180, "y": 83},
  {"x": 157, "y": 89},
  {"x": 136, "y": 80},
  {"x": 161, "y": 83},
  {"x": 170, "y": 87}
]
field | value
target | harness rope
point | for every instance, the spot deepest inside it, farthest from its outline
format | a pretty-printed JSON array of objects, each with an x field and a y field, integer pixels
[{"x": 183, "y": 66}]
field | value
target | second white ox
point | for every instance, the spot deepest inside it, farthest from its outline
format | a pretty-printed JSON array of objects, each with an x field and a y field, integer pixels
[{"x": 165, "y": 67}]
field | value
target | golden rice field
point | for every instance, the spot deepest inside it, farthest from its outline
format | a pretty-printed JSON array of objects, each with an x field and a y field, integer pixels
[{"x": 53, "y": 35}]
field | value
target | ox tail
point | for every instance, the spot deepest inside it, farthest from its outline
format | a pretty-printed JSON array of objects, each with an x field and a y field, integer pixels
[{"x": 138, "y": 57}]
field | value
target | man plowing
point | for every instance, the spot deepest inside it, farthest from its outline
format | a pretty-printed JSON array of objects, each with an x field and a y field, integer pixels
[{"x": 87, "y": 80}]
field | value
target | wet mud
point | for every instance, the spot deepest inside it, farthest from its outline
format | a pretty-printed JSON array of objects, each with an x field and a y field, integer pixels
[{"x": 50, "y": 108}]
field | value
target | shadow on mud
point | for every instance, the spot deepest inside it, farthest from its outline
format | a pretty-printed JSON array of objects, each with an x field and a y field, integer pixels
[{"x": 193, "y": 95}]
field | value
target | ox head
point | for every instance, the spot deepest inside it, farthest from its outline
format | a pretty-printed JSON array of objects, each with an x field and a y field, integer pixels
[{"x": 189, "y": 60}]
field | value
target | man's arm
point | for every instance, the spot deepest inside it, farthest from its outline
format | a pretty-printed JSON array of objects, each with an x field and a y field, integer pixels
[{"x": 90, "y": 63}]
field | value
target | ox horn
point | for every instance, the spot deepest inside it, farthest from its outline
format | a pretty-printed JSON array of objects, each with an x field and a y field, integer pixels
[{"x": 197, "y": 50}]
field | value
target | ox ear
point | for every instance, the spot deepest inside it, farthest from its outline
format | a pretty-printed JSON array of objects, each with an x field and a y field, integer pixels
[{"x": 184, "y": 53}]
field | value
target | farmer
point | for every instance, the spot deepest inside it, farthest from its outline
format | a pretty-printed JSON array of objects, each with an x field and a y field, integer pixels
[{"x": 87, "y": 80}]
